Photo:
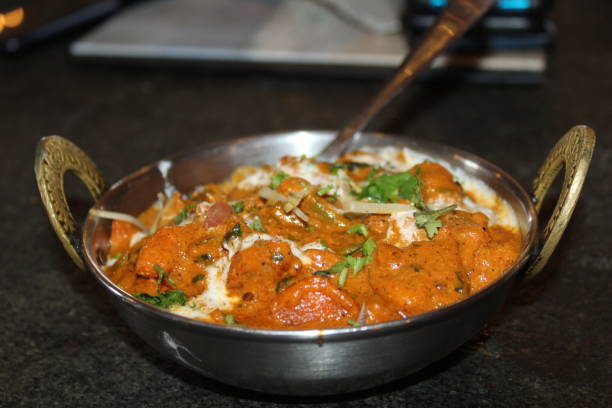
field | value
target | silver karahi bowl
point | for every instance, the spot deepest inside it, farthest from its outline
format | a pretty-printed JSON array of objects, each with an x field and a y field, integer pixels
[{"x": 302, "y": 362}]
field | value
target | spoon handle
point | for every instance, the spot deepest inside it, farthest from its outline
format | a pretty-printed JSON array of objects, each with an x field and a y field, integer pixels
[{"x": 458, "y": 16}]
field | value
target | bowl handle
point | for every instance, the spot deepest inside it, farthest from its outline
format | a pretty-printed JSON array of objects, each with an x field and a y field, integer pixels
[
  {"x": 573, "y": 152},
  {"x": 55, "y": 155}
]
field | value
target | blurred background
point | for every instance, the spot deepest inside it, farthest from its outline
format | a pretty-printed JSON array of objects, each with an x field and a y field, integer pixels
[{"x": 131, "y": 82}]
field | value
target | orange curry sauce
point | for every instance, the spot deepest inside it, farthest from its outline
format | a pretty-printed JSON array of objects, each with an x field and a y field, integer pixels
[{"x": 297, "y": 259}]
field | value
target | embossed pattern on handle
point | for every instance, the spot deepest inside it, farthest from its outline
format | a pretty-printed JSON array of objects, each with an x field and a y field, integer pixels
[
  {"x": 54, "y": 156},
  {"x": 573, "y": 152}
]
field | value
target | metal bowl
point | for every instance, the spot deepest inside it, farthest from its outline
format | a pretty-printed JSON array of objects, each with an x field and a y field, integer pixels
[{"x": 303, "y": 362}]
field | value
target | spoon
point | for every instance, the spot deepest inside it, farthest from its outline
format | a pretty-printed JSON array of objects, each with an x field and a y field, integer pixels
[{"x": 458, "y": 16}]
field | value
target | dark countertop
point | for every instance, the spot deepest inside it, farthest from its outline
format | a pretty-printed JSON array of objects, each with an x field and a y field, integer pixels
[{"x": 61, "y": 343}]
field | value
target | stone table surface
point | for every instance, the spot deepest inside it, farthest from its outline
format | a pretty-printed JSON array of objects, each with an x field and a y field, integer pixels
[{"x": 61, "y": 343}]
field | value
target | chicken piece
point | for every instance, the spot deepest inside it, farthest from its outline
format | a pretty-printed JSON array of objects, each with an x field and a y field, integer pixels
[
  {"x": 438, "y": 183},
  {"x": 321, "y": 260},
  {"x": 495, "y": 257},
  {"x": 313, "y": 302},
  {"x": 256, "y": 271},
  {"x": 424, "y": 276},
  {"x": 168, "y": 249},
  {"x": 469, "y": 230}
]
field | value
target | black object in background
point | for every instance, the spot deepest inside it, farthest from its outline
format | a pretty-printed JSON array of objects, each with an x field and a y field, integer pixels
[
  {"x": 24, "y": 23},
  {"x": 509, "y": 24}
]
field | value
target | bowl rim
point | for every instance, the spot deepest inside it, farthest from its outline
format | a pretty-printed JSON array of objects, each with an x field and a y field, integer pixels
[{"x": 318, "y": 335}]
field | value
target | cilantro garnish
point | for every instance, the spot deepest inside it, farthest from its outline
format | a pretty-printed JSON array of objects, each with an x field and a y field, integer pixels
[
  {"x": 393, "y": 187},
  {"x": 428, "y": 219},
  {"x": 357, "y": 263},
  {"x": 277, "y": 179},
  {"x": 334, "y": 167},
  {"x": 368, "y": 247},
  {"x": 257, "y": 225},
  {"x": 373, "y": 171},
  {"x": 164, "y": 300},
  {"x": 354, "y": 323},
  {"x": 162, "y": 274},
  {"x": 180, "y": 217},
  {"x": 325, "y": 190},
  {"x": 230, "y": 320},
  {"x": 235, "y": 232},
  {"x": 342, "y": 277},
  {"x": 238, "y": 207},
  {"x": 197, "y": 278},
  {"x": 341, "y": 268},
  {"x": 358, "y": 229}
]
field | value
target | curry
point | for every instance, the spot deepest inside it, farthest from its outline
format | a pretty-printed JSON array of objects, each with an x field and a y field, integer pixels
[{"x": 375, "y": 236}]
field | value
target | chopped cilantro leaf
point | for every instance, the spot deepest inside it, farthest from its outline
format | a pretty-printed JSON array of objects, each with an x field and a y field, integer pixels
[
  {"x": 230, "y": 320},
  {"x": 368, "y": 247},
  {"x": 238, "y": 207},
  {"x": 354, "y": 323},
  {"x": 373, "y": 172},
  {"x": 277, "y": 179},
  {"x": 392, "y": 187},
  {"x": 358, "y": 229},
  {"x": 161, "y": 275},
  {"x": 428, "y": 219},
  {"x": 325, "y": 190},
  {"x": 335, "y": 167},
  {"x": 235, "y": 232},
  {"x": 357, "y": 263},
  {"x": 257, "y": 225},
  {"x": 339, "y": 267},
  {"x": 336, "y": 268},
  {"x": 197, "y": 278},
  {"x": 342, "y": 277},
  {"x": 164, "y": 300},
  {"x": 180, "y": 217}
]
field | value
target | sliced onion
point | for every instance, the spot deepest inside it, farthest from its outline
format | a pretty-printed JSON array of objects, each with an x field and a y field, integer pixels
[
  {"x": 112, "y": 215},
  {"x": 271, "y": 195},
  {"x": 301, "y": 214},
  {"x": 295, "y": 199},
  {"x": 377, "y": 208}
]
